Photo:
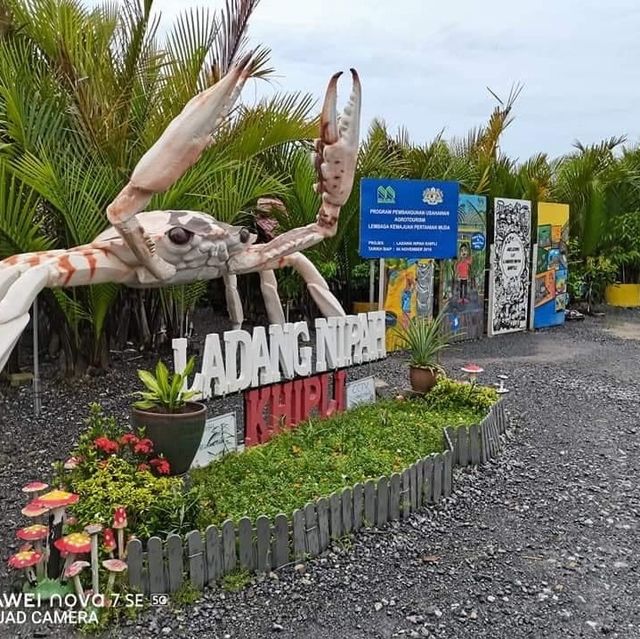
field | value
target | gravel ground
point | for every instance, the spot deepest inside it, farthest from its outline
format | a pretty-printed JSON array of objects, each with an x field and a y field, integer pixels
[{"x": 540, "y": 543}]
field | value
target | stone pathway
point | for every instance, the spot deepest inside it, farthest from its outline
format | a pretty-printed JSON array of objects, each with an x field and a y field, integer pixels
[{"x": 542, "y": 543}]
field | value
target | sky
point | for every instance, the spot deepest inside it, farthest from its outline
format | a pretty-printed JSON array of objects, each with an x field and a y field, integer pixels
[{"x": 426, "y": 65}]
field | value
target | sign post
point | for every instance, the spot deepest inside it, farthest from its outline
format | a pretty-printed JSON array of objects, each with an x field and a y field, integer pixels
[
  {"x": 37, "y": 406},
  {"x": 409, "y": 219},
  {"x": 407, "y": 222}
]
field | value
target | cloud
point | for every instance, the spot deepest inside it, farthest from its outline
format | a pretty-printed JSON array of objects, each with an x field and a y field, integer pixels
[{"x": 427, "y": 65}]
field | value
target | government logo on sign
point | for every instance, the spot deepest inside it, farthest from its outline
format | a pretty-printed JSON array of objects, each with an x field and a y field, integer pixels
[
  {"x": 386, "y": 195},
  {"x": 432, "y": 196}
]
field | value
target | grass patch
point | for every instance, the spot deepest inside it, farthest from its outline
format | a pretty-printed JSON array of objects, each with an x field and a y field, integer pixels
[
  {"x": 236, "y": 580},
  {"x": 322, "y": 456},
  {"x": 185, "y": 595}
]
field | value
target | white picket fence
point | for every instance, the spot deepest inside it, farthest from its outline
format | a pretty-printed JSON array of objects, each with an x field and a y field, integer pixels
[{"x": 267, "y": 544}]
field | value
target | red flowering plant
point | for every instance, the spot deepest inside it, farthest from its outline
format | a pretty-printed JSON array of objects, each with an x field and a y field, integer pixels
[
  {"x": 105, "y": 438},
  {"x": 112, "y": 466}
]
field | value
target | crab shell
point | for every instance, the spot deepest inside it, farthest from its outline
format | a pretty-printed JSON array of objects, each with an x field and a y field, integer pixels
[{"x": 196, "y": 244}]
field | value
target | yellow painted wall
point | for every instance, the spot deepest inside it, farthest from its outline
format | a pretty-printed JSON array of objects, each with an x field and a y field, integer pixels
[{"x": 551, "y": 213}]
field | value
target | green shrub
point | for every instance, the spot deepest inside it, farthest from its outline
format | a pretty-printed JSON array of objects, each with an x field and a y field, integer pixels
[
  {"x": 114, "y": 467},
  {"x": 319, "y": 457},
  {"x": 449, "y": 394},
  {"x": 152, "y": 503}
]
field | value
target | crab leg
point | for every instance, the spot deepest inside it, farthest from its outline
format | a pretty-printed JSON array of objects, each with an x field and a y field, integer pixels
[
  {"x": 316, "y": 285},
  {"x": 22, "y": 277},
  {"x": 234, "y": 303},
  {"x": 177, "y": 149},
  {"x": 271, "y": 298},
  {"x": 335, "y": 160}
]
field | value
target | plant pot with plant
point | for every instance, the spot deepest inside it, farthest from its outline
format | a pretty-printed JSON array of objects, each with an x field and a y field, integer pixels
[
  {"x": 424, "y": 340},
  {"x": 172, "y": 422}
]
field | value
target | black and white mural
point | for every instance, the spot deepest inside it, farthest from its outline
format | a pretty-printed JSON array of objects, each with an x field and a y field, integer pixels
[
  {"x": 424, "y": 292},
  {"x": 510, "y": 266}
]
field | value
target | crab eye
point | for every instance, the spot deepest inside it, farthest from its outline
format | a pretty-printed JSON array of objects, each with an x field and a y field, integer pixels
[
  {"x": 245, "y": 234},
  {"x": 179, "y": 235}
]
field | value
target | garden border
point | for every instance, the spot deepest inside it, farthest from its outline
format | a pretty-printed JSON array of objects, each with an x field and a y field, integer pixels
[{"x": 266, "y": 544}]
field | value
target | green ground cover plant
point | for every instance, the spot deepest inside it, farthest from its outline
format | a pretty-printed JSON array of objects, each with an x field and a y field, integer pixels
[{"x": 321, "y": 456}]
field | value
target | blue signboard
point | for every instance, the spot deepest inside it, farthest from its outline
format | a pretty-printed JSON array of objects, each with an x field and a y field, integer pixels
[{"x": 408, "y": 218}]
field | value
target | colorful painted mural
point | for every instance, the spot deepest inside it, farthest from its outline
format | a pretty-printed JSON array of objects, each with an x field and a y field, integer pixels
[
  {"x": 462, "y": 279},
  {"x": 509, "y": 279},
  {"x": 550, "y": 285},
  {"x": 408, "y": 293}
]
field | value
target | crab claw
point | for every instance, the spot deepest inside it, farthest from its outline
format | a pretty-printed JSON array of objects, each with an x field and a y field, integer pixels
[
  {"x": 335, "y": 160},
  {"x": 337, "y": 150},
  {"x": 177, "y": 149}
]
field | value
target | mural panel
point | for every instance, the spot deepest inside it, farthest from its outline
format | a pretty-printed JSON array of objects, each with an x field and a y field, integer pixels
[
  {"x": 550, "y": 292},
  {"x": 510, "y": 276},
  {"x": 408, "y": 294},
  {"x": 462, "y": 279}
]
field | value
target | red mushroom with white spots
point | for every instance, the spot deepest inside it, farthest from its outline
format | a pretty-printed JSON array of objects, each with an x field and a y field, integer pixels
[
  {"x": 73, "y": 572},
  {"x": 25, "y": 560},
  {"x": 35, "y": 533},
  {"x": 109, "y": 541},
  {"x": 120, "y": 523}
]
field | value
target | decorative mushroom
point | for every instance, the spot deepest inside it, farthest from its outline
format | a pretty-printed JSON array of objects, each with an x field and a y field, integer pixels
[
  {"x": 33, "y": 511},
  {"x": 56, "y": 501},
  {"x": 93, "y": 530},
  {"x": 501, "y": 390},
  {"x": 73, "y": 571},
  {"x": 472, "y": 370},
  {"x": 77, "y": 543},
  {"x": 114, "y": 566},
  {"x": 71, "y": 463},
  {"x": 35, "y": 487},
  {"x": 109, "y": 541},
  {"x": 120, "y": 523},
  {"x": 35, "y": 533},
  {"x": 25, "y": 560}
]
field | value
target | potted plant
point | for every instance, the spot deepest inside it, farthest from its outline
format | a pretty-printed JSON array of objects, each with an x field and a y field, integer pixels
[
  {"x": 172, "y": 422},
  {"x": 424, "y": 340}
]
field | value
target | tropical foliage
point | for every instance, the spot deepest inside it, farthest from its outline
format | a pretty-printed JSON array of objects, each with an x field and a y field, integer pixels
[{"x": 84, "y": 92}]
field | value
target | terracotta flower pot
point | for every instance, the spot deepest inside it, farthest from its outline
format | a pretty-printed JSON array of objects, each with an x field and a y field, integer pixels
[
  {"x": 422, "y": 379},
  {"x": 174, "y": 435}
]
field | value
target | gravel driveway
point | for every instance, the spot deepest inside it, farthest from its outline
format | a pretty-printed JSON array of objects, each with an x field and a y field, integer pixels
[{"x": 541, "y": 543}]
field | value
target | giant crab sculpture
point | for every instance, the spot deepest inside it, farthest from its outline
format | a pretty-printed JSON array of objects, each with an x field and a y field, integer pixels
[{"x": 161, "y": 248}]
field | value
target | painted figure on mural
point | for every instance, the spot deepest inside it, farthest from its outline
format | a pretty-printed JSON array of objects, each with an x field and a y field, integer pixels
[
  {"x": 463, "y": 271},
  {"x": 462, "y": 278},
  {"x": 407, "y": 298}
]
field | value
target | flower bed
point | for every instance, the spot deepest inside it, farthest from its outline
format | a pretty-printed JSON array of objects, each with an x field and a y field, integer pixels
[{"x": 320, "y": 457}]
